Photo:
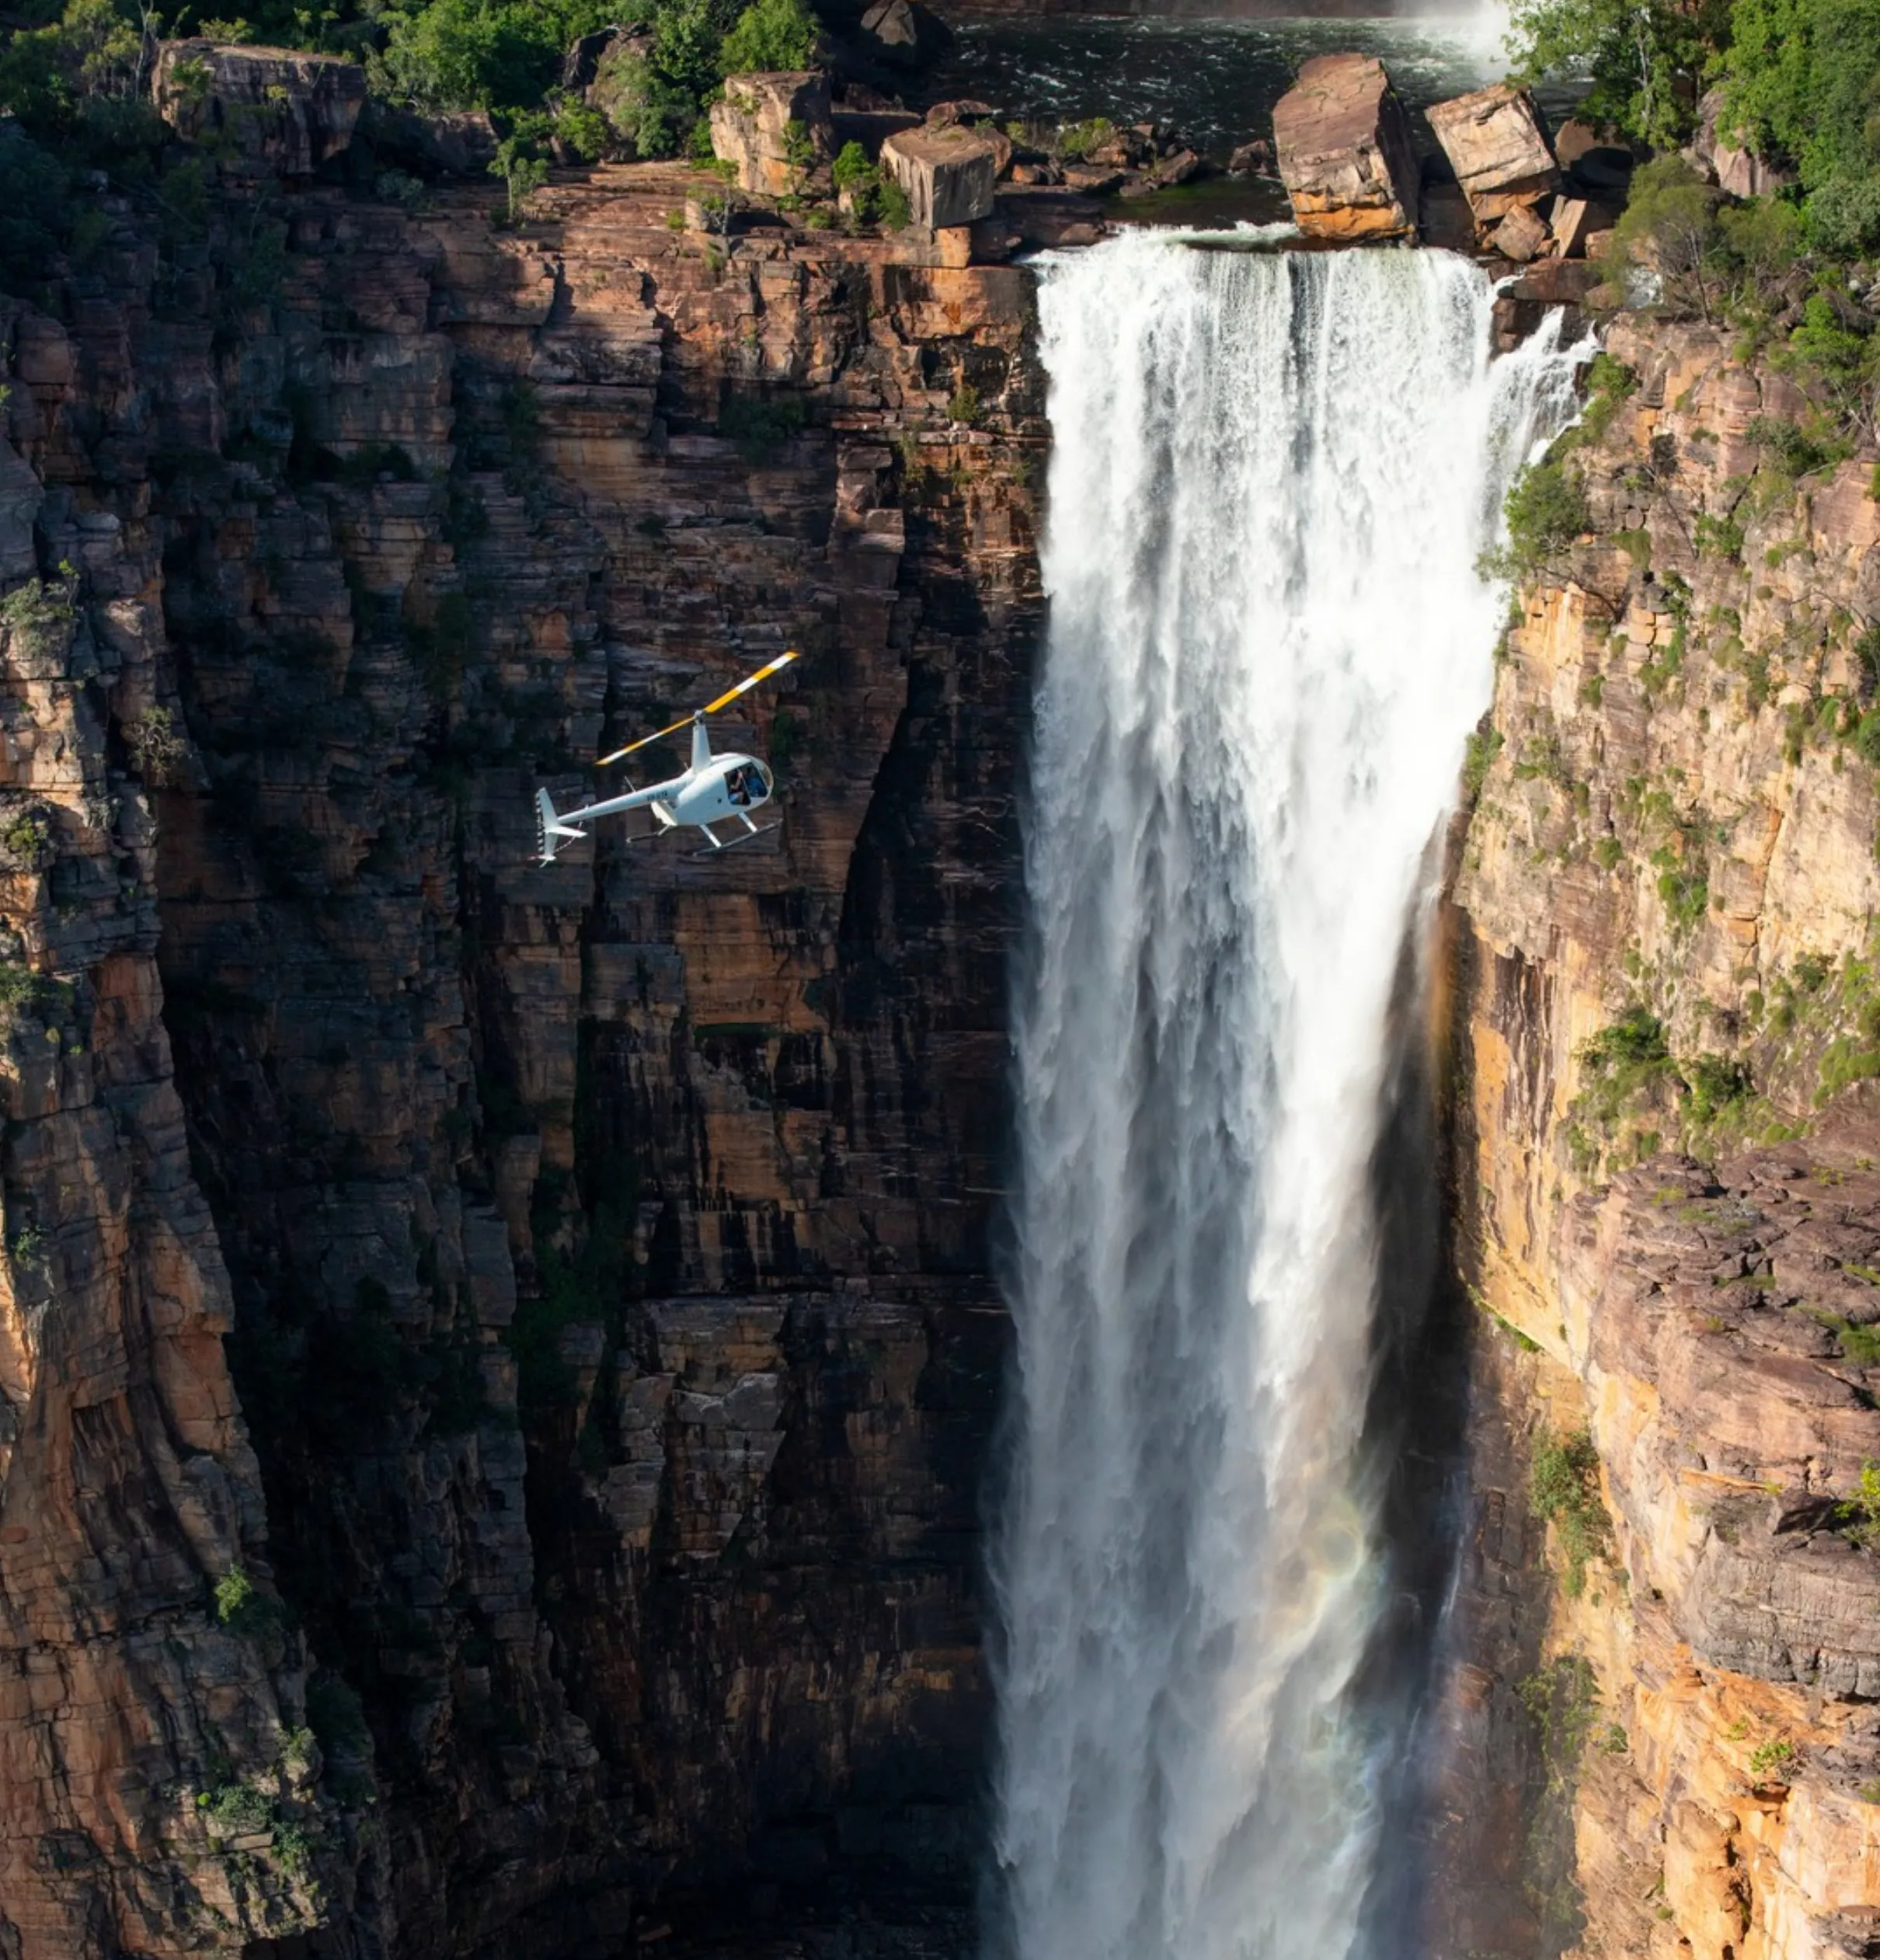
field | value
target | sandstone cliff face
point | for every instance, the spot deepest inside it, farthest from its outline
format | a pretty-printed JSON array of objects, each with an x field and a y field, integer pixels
[
  {"x": 599, "y": 1249},
  {"x": 1665, "y": 1192}
]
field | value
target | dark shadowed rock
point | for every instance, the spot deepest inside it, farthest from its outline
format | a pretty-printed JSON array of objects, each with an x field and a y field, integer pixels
[
  {"x": 903, "y": 33},
  {"x": 288, "y": 111},
  {"x": 1345, "y": 150}
]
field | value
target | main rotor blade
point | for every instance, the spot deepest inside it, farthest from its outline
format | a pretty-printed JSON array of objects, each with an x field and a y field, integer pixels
[
  {"x": 744, "y": 686},
  {"x": 643, "y": 742},
  {"x": 711, "y": 708}
]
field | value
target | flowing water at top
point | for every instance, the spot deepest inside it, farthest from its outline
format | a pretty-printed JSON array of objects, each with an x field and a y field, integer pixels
[
  {"x": 1271, "y": 476},
  {"x": 1195, "y": 68}
]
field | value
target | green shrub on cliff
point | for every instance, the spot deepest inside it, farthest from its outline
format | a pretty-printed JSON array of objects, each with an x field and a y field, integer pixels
[
  {"x": 1859, "y": 1516},
  {"x": 241, "y": 1605},
  {"x": 38, "y": 615},
  {"x": 1546, "y": 511},
  {"x": 1564, "y": 1491}
]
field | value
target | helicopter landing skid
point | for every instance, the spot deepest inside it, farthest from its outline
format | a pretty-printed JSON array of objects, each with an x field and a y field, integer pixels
[{"x": 743, "y": 836}]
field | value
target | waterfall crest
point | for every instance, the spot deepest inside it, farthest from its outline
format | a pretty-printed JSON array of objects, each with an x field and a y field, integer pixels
[{"x": 1271, "y": 476}]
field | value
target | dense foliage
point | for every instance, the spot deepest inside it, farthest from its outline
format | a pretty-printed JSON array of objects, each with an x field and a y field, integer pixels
[
  {"x": 1801, "y": 81},
  {"x": 75, "y": 75}
]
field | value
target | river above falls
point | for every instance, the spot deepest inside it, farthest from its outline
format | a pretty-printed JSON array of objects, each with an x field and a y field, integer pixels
[{"x": 1215, "y": 80}]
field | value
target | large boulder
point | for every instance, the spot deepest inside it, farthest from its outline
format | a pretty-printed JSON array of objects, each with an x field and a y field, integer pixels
[
  {"x": 772, "y": 126},
  {"x": 1740, "y": 172},
  {"x": 903, "y": 33},
  {"x": 1496, "y": 145},
  {"x": 1345, "y": 156},
  {"x": 948, "y": 173},
  {"x": 1520, "y": 235},
  {"x": 288, "y": 111}
]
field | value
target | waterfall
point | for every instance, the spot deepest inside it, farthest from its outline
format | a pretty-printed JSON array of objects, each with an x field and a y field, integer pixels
[{"x": 1271, "y": 476}]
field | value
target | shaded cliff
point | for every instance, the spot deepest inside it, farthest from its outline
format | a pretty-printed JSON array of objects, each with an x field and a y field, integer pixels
[
  {"x": 600, "y": 1248},
  {"x": 1665, "y": 1193}
]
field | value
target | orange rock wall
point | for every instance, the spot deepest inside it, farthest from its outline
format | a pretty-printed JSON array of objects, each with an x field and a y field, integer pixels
[
  {"x": 599, "y": 1251},
  {"x": 1678, "y": 818}
]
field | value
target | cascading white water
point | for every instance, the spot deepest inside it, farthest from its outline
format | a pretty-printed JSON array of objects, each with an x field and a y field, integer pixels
[{"x": 1271, "y": 476}]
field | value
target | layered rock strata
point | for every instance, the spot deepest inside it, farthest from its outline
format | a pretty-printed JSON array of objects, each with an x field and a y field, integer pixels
[
  {"x": 589, "y": 1522},
  {"x": 1666, "y": 1189},
  {"x": 1343, "y": 142}
]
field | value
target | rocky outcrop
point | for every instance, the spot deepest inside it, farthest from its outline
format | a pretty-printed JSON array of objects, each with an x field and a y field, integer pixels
[
  {"x": 586, "y": 1523},
  {"x": 286, "y": 112},
  {"x": 774, "y": 129},
  {"x": 1734, "y": 169},
  {"x": 903, "y": 33},
  {"x": 1664, "y": 1181},
  {"x": 1345, "y": 153}
]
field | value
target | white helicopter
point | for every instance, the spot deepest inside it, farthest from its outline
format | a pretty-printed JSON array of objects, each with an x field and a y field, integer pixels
[{"x": 713, "y": 788}]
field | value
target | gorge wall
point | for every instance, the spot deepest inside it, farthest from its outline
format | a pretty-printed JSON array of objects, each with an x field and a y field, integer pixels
[
  {"x": 1666, "y": 1195},
  {"x": 496, "y": 1361}
]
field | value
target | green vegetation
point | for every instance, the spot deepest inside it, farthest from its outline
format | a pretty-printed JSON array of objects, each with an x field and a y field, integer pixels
[
  {"x": 1772, "y": 1759},
  {"x": 1799, "y": 83},
  {"x": 38, "y": 616},
  {"x": 873, "y": 193},
  {"x": 73, "y": 74},
  {"x": 1484, "y": 745},
  {"x": 1621, "y": 1060},
  {"x": 1859, "y": 1515},
  {"x": 760, "y": 425},
  {"x": 238, "y": 1807},
  {"x": 1800, "y": 78},
  {"x": 771, "y": 34},
  {"x": 158, "y": 749},
  {"x": 1643, "y": 58},
  {"x": 1072, "y": 142},
  {"x": 1564, "y": 1491},
  {"x": 1546, "y": 511},
  {"x": 242, "y": 1606},
  {"x": 1804, "y": 87}
]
